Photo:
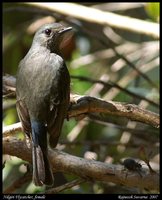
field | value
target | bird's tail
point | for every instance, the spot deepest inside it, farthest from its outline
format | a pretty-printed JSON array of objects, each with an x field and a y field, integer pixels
[{"x": 42, "y": 173}]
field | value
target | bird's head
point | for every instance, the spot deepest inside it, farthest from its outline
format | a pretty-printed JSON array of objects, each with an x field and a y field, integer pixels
[{"x": 53, "y": 36}]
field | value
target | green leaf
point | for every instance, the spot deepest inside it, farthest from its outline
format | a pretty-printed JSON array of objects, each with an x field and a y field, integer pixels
[{"x": 153, "y": 10}]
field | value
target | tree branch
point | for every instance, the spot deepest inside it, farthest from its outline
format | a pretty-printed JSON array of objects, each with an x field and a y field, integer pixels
[
  {"x": 84, "y": 168},
  {"x": 87, "y": 104},
  {"x": 11, "y": 129},
  {"x": 101, "y": 17}
]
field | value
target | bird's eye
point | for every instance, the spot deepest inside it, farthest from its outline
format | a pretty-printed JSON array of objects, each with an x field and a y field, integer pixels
[{"x": 48, "y": 32}]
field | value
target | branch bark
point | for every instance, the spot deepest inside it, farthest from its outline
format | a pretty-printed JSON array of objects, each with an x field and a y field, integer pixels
[
  {"x": 86, "y": 169},
  {"x": 87, "y": 104}
]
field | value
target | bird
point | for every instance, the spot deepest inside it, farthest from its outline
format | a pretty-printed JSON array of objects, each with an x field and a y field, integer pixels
[{"x": 43, "y": 95}]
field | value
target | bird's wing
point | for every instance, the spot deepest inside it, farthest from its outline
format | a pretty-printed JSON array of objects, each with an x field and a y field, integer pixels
[
  {"x": 23, "y": 116},
  {"x": 59, "y": 103}
]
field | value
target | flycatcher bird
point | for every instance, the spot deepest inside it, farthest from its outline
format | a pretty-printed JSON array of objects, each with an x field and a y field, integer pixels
[{"x": 43, "y": 94}]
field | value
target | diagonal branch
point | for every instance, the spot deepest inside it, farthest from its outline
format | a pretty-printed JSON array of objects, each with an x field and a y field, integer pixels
[
  {"x": 87, "y": 104},
  {"x": 101, "y": 17},
  {"x": 18, "y": 183},
  {"x": 65, "y": 186},
  {"x": 110, "y": 84}
]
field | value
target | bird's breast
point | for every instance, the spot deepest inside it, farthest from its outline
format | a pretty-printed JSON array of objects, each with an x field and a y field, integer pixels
[{"x": 42, "y": 79}]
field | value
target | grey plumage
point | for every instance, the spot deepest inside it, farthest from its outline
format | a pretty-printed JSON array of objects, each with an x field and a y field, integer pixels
[{"x": 43, "y": 92}]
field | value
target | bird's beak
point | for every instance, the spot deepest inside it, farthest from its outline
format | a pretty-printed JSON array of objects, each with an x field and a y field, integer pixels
[{"x": 64, "y": 30}]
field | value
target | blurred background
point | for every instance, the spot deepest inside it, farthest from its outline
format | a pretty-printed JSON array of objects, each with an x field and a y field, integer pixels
[{"x": 106, "y": 62}]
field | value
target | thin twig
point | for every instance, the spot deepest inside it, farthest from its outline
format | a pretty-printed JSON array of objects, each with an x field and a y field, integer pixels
[
  {"x": 110, "y": 84},
  {"x": 65, "y": 186},
  {"x": 107, "y": 42},
  {"x": 96, "y": 143}
]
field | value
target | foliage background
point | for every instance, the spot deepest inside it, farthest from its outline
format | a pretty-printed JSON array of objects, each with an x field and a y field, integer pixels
[{"x": 108, "y": 139}]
